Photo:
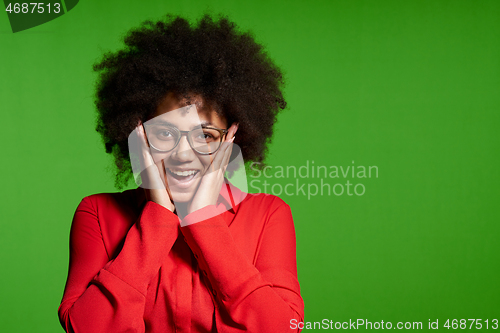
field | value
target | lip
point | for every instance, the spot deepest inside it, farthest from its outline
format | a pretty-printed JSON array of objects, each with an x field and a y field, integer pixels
[
  {"x": 174, "y": 182},
  {"x": 181, "y": 169}
]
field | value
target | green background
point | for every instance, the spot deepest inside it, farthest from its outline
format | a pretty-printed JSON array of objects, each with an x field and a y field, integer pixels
[{"x": 409, "y": 86}]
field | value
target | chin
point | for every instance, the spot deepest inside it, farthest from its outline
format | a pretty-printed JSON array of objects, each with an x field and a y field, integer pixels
[
  {"x": 183, "y": 189},
  {"x": 181, "y": 197}
]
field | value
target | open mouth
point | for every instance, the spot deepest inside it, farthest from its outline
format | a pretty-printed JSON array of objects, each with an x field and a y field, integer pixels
[{"x": 181, "y": 177}]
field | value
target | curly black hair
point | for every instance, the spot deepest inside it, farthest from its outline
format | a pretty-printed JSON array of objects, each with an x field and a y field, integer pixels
[{"x": 212, "y": 59}]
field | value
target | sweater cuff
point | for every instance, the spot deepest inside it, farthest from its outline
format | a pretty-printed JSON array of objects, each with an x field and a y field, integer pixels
[{"x": 147, "y": 243}]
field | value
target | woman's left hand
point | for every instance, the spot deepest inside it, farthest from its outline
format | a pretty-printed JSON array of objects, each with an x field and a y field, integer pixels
[{"x": 213, "y": 178}]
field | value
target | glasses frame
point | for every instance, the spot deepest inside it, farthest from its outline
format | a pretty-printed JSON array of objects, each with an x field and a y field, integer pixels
[{"x": 223, "y": 133}]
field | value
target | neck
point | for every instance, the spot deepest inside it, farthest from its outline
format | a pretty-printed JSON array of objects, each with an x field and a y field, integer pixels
[{"x": 181, "y": 209}]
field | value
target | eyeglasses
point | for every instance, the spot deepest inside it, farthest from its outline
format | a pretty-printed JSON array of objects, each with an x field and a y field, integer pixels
[{"x": 205, "y": 140}]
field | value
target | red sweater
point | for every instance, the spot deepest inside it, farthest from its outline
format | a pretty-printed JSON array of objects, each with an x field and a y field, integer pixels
[{"x": 133, "y": 268}]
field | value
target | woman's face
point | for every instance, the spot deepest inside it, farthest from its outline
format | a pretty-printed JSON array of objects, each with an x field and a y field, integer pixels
[{"x": 183, "y": 166}]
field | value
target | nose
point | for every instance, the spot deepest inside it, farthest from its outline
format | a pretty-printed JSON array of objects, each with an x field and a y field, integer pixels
[{"x": 183, "y": 152}]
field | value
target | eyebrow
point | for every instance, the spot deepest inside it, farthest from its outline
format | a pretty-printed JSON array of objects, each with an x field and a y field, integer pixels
[{"x": 203, "y": 124}]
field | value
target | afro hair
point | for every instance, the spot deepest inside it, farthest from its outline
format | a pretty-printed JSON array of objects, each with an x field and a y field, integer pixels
[{"x": 212, "y": 58}]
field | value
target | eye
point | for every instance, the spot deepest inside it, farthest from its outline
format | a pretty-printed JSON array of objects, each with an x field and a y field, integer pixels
[
  {"x": 207, "y": 135},
  {"x": 164, "y": 133}
]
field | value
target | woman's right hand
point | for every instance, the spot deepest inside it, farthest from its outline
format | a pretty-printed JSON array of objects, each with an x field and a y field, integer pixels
[{"x": 153, "y": 174}]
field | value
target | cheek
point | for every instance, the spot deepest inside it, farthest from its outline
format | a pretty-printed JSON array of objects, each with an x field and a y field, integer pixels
[
  {"x": 206, "y": 160},
  {"x": 159, "y": 157}
]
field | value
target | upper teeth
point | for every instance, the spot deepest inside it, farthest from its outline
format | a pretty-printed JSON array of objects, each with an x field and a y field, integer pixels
[{"x": 183, "y": 173}]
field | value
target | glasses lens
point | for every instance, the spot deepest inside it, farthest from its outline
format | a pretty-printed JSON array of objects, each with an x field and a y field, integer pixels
[
  {"x": 162, "y": 137},
  {"x": 206, "y": 140}
]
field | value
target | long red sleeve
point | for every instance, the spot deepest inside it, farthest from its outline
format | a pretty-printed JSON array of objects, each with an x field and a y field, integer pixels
[
  {"x": 109, "y": 296},
  {"x": 259, "y": 296},
  {"x": 133, "y": 268}
]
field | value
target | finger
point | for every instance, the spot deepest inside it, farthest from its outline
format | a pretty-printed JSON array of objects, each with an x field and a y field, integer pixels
[
  {"x": 141, "y": 133},
  {"x": 219, "y": 155},
  {"x": 165, "y": 182},
  {"x": 222, "y": 156},
  {"x": 216, "y": 159},
  {"x": 227, "y": 154},
  {"x": 146, "y": 156},
  {"x": 152, "y": 175},
  {"x": 231, "y": 132},
  {"x": 160, "y": 171}
]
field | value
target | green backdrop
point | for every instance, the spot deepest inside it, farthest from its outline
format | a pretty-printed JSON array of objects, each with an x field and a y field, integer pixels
[{"x": 410, "y": 87}]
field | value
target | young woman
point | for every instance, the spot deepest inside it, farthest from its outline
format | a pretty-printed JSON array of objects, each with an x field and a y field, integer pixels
[{"x": 187, "y": 251}]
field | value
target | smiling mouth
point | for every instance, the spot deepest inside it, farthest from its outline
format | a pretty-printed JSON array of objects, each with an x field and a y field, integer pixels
[{"x": 182, "y": 175}]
